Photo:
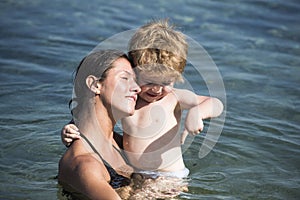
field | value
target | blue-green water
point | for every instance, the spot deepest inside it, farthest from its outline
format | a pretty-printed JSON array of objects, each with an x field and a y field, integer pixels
[{"x": 255, "y": 44}]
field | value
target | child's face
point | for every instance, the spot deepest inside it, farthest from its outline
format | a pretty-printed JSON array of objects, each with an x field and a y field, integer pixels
[{"x": 154, "y": 88}]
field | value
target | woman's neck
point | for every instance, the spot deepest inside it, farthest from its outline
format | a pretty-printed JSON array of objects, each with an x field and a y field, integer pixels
[{"x": 94, "y": 119}]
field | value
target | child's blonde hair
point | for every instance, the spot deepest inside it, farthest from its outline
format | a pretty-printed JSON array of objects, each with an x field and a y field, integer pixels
[
  {"x": 158, "y": 44},
  {"x": 163, "y": 72}
]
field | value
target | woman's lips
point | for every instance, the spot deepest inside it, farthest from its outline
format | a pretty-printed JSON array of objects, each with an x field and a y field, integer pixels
[{"x": 134, "y": 97}]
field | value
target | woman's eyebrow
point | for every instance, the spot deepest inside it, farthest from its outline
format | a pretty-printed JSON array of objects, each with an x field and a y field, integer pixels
[{"x": 128, "y": 72}]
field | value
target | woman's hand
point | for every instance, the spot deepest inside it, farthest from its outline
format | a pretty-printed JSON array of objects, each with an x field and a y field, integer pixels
[{"x": 69, "y": 133}]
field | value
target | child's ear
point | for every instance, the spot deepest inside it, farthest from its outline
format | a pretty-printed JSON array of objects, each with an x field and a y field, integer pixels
[{"x": 93, "y": 84}]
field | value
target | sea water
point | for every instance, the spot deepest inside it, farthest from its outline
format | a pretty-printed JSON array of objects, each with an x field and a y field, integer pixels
[{"x": 255, "y": 46}]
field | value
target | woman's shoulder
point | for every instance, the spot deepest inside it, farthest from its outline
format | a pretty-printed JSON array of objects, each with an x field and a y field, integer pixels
[
  {"x": 87, "y": 164},
  {"x": 80, "y": 169},
  {"x": 78, "y": 161}
]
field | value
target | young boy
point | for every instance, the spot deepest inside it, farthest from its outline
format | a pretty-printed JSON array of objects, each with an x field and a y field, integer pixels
[{"x": 151, "y": 137}]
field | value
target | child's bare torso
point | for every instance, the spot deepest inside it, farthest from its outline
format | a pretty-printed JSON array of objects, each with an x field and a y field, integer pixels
[{"x": 151, "y": 136}]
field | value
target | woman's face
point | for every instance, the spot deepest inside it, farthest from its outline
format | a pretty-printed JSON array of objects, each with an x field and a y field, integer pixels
[{"x": 119, "y": 90}]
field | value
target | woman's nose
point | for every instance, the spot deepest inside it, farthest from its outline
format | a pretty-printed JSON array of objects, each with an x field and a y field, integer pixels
[{"x": 135, "y": 87}]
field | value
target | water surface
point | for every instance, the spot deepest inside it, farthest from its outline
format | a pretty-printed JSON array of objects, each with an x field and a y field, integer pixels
[{"x": 255, "y": 44}]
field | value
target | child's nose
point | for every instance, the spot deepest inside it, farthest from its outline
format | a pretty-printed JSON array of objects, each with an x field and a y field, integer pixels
[{"x": 157, "y": 88}]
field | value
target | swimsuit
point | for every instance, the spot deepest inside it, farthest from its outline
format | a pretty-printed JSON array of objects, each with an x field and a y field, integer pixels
[{"x": 116, "y": 180}]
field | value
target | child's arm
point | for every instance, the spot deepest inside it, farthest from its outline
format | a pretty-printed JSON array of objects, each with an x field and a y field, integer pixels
[
  {"x": 193, "y": 123},
  {"x": 200, "y": 107},
  {"x": 69, "y": 133},
  {"x": 208, "y": 106}
]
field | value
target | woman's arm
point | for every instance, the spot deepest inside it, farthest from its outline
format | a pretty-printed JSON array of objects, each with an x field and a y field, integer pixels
[
  {"x": 93, "y": 184},
  {"x": 87, "y": 176}
]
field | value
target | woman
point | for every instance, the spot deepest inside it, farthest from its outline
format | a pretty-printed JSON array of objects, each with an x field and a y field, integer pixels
[{"x": 105, "y": 91}]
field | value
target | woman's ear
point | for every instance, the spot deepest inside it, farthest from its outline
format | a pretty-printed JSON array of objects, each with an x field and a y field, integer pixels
[{"x": 93, "y": 84}]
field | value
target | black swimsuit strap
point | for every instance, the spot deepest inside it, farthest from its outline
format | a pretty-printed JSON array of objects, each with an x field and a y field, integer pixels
[
  {"x": 116, "y": 180},
  {"x": 121, "y": 152},
  {"x": 94, "y": 149}
]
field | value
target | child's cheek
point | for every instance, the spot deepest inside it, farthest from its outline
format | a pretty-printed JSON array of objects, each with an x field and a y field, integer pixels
[{"x": 168, "y": 89}]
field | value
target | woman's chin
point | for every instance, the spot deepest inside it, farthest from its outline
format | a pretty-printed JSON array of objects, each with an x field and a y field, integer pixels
[{"x": 131, "y": 112}]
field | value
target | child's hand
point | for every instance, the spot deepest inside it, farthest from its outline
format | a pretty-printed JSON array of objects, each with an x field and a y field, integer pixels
[
  {"x": 193, "y": 123},
  {"x": 69, "y": 133}
]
